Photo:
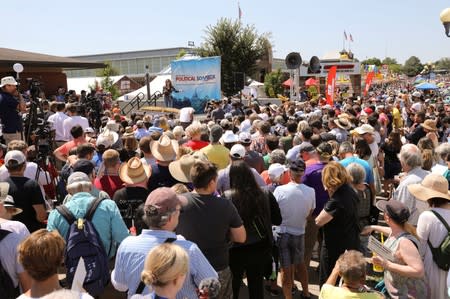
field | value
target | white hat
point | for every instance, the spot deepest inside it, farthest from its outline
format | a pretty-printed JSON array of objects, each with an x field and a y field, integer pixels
[
  {"x": 364, "y": 129},
  {"x": 229, "y": 137},
  {"x": 275, "y": 170},
  {"x": 112, "y": 125},
  {"x": 88, "y": 130},
  {"x": 14, "y": 157},
  {"x": 237, "y": 151},
  {"x": 107, "y": 138},
  {"x": 77, "y": 177},
  {"x": 8, "y": 81},
  {"x": 245, "y": 137},
  {"x": 414, "y": 94},
  {"x": 7, "y": 200}
]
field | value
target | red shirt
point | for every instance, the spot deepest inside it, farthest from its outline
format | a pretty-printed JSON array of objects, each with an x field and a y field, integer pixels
[
  {"x": 66, "y": 147},
  {"x": 195, "y": 145},
  {"x": 109, "y": 183}
]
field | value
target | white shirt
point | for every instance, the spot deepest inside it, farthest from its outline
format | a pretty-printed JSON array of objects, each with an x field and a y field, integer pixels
[
  {"x": 186, "y": 114},
  {"x": 296, "y": 201},
  {"x": 72, "y": 121},
  {"x": 57, "y": 121}
]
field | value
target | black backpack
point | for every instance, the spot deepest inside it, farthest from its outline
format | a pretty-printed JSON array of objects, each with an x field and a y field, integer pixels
[
  {"x": 441, "y": 254},
  {"x": 83, "y": 240},
  {"x": 7, "y": 288}
]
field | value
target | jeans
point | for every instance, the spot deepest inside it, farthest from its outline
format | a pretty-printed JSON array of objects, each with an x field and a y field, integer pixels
[{"x": 168, "y": 101}]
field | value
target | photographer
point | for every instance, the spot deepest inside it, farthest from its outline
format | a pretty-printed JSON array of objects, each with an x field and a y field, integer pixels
[{"x": 11, "y": 103}]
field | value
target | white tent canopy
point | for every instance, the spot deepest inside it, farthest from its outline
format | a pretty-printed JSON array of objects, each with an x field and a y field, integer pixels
[
  {"x": 85, "y": 83},
  {"x": 156, "y": 84}
]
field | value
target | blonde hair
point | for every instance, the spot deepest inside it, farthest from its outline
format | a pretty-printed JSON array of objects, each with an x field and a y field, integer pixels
[
  {"x": 163, "y": 123},
  {"x": 193, "y": 129},
  {"x": 334, "y": 175},
  {"x": 41, "y": 254},
  {"x": 180, "y": 188},
  {"x": 352, "y": 266},
  {"x": 164, "y": 263}
]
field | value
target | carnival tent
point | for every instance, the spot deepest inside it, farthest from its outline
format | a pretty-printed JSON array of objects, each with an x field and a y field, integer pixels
[{"x": 427, "y": 86}]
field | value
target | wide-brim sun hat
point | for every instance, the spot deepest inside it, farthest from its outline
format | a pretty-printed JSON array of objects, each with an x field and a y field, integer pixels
[
  {"x": 134, "y": 171},
  {"x": 432, "y": 186},
  {"x": 343, "y": 123},
  {"x": 430, "y": 125},
  {"x": 164, "y": 149},
  {"x": 181, "y": 169}
]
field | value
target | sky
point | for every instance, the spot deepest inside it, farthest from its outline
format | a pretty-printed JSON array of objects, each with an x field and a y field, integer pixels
[{"x": 380, "y": 28}]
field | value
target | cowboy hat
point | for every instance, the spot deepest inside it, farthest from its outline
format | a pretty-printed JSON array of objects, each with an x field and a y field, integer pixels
[
  {"x": 430, "y": 125},
  {"x": 432, "y": 186},
  {"x": 128, "y": 132},
  {"x": 343, "y": 123},
  {"x": 107, "y": 138},
  {"x": 164, "y": 149},
  {"x": 180, "y": 169},
  {"x": 134, "y": 171}
]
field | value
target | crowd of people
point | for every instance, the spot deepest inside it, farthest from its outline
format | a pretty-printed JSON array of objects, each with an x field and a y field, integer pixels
[{"x": 186, "y": 208}]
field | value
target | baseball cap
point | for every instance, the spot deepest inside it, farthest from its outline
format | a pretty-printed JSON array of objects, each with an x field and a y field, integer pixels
[
  {"x": 14, "y": 158},
  {"x": 7, "y": 200},
  {"x": 415, "y": 94},
  {"x": 237, "y": 151},
  {"x": 8, "y": 81},
  {"x": 83, "y": 165},
  {"x": 395, "y": 209},
  {"x": 163, "y": 200},
  {"x": 77, "y": 177},
  {"x": 107, "y": 138},
  {"x": 215, "y": 133},
  {"x": 245, "y": 137},
  {"x": 229, "y": 137},
  {"x": 89, "y": 130},
  {"x": 275, "y": 170},
  {"x": 297, "y": 165}
]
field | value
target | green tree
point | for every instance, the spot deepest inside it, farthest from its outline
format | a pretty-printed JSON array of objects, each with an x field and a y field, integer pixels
[
  {"x": 412, "y": 66},
  {"x": 107, "y": 83},
  {"x": 389, "y": 61},
  {"x": 239, "y": 46},
  {"x": 272, "y": 83},
  {"x": 181, "y": 54},
  {"x": 372, "y": 61},
  {"x": 443, "y": 64},
  {"x": 396, "y": 68}
]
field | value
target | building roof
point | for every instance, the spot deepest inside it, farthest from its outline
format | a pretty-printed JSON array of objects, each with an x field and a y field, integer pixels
[{"x": 29, "y": 59}]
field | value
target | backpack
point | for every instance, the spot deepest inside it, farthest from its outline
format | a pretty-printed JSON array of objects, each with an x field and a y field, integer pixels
[
  {"x": 441, "y": 254},
  {"x": 83, "y": 240},
  {"x": 7, "y": 288}
]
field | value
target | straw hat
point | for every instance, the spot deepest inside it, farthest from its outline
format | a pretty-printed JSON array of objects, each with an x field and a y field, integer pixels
[
  {"x": 180, "y": 169},
  {"x": 432, "y": 186},
  {"x": 7, "y": 200},
  {"x": 128, "y": 132},
  {"x": 430, "y": 125},
  {"x": 164, "y": 149},
  {"x": 343, "y": 123},
  {"x": 134, "y": 171}
]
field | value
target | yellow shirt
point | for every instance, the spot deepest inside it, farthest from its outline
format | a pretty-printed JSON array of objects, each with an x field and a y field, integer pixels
[
  {"x": 397, "y": 118},
  {"x": 331, "y": 292},
  {"x": 217, "y": 154}
]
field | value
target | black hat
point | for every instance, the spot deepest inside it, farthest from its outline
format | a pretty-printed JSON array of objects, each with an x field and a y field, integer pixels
[
  {"x": 83, "y": 165},
  {"x": 395, "y": 209}
]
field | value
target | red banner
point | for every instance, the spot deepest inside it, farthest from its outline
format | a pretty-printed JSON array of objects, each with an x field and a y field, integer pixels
[
  {"x": 369, "y": 78},
  {"x": 331, "y": 83}
]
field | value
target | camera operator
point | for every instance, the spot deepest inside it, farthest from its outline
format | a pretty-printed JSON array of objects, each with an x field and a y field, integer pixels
[
  {"x": 73, "y": 120},
  {"x": 11, "y": 103}
]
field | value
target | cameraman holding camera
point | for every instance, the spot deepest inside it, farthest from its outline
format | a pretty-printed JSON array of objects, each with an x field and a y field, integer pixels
[{"x": 11, "y": 103}]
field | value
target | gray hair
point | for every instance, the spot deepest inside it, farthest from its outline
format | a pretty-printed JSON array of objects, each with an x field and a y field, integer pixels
[
  {"x": 443, "y": 150},
  {"x": 346, "y": 147},
  {"x": 296, "y": 140},
  {"x": 277, "y": 156},
  {"x": 79, "y": 187},
  {"x": 357, "y": 172},
  {"x": 410, "y": 155}
]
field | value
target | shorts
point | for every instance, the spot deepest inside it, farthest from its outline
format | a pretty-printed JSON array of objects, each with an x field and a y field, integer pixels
[{"x": 292, "y": 249}]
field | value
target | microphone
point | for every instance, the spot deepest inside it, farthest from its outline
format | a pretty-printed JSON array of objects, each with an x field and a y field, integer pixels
[{"x": 208, "y": 288}]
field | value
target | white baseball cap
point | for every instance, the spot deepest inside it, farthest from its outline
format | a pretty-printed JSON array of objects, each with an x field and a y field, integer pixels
[
  {"x": 8, "y": 81},
  {"x": 14, "y": 157},
  {"x": 237, "y": 151},
  {"x": 275, "y": 170}
]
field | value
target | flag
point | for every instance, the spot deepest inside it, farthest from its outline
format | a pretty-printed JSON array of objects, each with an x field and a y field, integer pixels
[
  {"x": 240, "y": 12},
  {"x": 368, "y": 82},
  {"x": 345, "y": 35},
  {"x": 351, "y": 37},
  {"x": 331, "y": 83}
]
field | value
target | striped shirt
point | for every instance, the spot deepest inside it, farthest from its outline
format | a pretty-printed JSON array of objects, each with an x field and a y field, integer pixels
[{"x": 133, "y": 251}]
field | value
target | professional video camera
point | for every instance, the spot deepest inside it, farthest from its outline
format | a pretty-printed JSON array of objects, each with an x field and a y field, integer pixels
[{"x": 93, "y": 109}]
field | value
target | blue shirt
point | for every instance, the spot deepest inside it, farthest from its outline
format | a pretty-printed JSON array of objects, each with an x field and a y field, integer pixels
[
  {"x": 133, "y": 251},
  {"x": 141, "y": 133},
  {"x": 369, "y": 172},
  {"x": 10, "y": 117},
  {"x": 106, "y": 220}
]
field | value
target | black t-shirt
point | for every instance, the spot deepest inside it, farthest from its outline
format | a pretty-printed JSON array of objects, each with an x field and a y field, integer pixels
[
  {"x": 26, "y": 193},
  {"x": 128, "y": 200},
  {"x": 11, "y": 120},
  {"x": 161, "y": 177},
  {"x": 206, "y": 220},
  {"x": 342, "y": 232}
]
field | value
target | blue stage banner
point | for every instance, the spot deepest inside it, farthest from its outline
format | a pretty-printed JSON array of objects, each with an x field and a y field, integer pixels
[{"x": 197, "y": 80}]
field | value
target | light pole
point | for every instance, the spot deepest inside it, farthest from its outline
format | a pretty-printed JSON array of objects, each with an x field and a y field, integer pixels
[{"x": 445, "y": 19}]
